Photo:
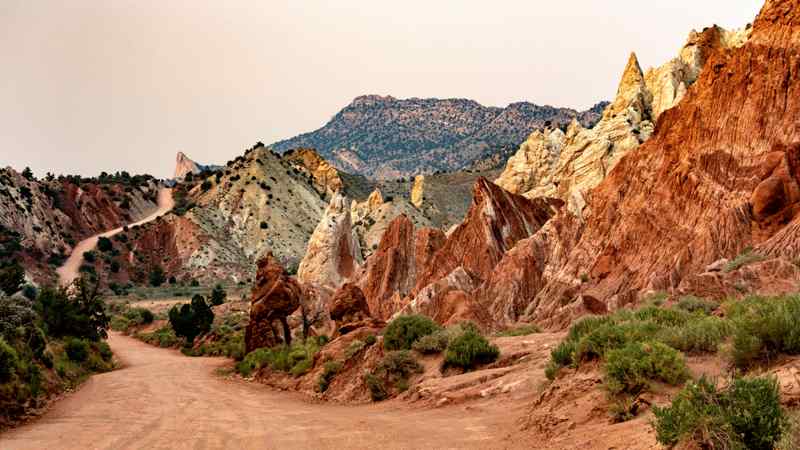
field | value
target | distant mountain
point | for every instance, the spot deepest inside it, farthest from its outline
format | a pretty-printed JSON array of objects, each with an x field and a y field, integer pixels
[{"x": 385, "y": 137}]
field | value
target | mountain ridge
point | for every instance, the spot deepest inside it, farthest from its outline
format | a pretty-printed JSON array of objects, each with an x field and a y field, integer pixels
[{"x": 387, "y": 137}]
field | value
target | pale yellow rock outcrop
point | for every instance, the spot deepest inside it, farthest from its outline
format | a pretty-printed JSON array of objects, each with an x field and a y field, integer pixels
[
  {"x": 418, "y": 191},
  {"x": 333, "y": 253}
]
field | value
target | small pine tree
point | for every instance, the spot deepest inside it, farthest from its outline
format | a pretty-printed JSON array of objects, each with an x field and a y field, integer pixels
[
  {"x": 218, "y": 295},
  {"x": 157, "y": 277}
]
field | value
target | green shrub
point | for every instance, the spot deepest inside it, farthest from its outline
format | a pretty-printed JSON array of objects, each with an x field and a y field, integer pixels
[
  {"x": 523, "y": 330},
  {"x": 376, "y": 386},
  {"x": 764, "y": 327},
  {"x": 119, "y": 323},
  {"x": 432, "y": 343},
  {"x": 629, "y": 369},
  {"x": 702, "y": 335},
  {"x": 354, "y": 347},
  {"x": 370, "y": 340},
  {"x": 147, "y": 316},
  {"x": 745, "y": 258},
  {"x": 330, "y": 369},
  {"x": 405, "y": 330},
  {"x": 77, "y": 349},
  {"x": 399, "y": 364},
  {"x": 104, "y": 350},
  {"x": 747, "y": 414},
  {"x": 694, "y": 304},
  {"x": 470, "y": 349},
  {"x": 253, "y": 361},
  {"x": 8, "y": 361}
]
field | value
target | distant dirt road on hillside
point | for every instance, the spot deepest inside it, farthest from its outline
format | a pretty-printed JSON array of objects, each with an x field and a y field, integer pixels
[
  {"x": 161, "y": 399},
  {"x": 69, "y": 271}
]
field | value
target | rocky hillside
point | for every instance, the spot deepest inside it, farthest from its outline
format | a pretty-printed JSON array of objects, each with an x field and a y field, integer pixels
[
  {"x": 385, "y": 137},
  {"x": 47, "y": 217}
]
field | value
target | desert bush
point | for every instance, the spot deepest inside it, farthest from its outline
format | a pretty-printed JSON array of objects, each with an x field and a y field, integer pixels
[
  {"x": 470, "y": 349},
  {"x": 8, "y": 361},
  {"x": 523, "y": 330},
  {"x": 405, "y": 330},
  {"x": 253, "y": 361},
  {"x": 77, "y": 349},
  {"x": 354, "y": 347},
  {"x": 702, "y": 335},
  {"x": 763, "y": 328},
  {"x": 435, "y": 342},
  {"x": 746, "y": 257},
  {"x": 329, "y": 370},
  {"x": 376, "y": 386},
  {"x": 747, "y": 414},
  {"x": 694, "y": 304},
  {"x": 629, "y": 369},
  {"x": 369, "y": 340}
]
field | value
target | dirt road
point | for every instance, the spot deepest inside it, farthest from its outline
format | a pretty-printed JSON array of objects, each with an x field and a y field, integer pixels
[
  {"x": 161, "y": 399},
  {"x": 69, "y": 271}
]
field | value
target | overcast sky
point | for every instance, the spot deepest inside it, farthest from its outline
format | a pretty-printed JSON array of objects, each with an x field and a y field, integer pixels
[{"x": 114, "y": 85}]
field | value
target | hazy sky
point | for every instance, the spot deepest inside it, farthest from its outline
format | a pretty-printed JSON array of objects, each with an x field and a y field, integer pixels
[{"x": 109, "y": 85}]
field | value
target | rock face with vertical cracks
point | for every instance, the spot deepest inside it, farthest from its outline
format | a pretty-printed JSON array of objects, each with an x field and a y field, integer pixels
[
  {"x": 496, "y": 221},
  {"x": 720, "y": 174},
  {"x": 391, "y": 272},
  {"x": 274, "y": 297}
]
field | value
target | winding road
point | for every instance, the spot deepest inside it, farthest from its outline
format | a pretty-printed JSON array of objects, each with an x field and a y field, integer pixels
[
  {"x": 68, "y": 272},
  {"x": 161, "y": 399}
]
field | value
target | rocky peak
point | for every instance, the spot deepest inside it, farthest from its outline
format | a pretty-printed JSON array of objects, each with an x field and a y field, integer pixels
[
  {"x": 333, "y": 253},
  {"x": 184, "y": 166},
  {"x": 632, "y": 93}
]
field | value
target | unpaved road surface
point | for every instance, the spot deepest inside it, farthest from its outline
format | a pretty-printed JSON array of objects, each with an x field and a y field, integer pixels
[
  {"x": 161, "y": 399},
  {"x": 69, "y": 271}
]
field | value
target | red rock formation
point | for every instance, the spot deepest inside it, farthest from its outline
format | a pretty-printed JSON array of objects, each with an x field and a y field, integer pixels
[
  {"x": 496, "y": 221},
  {"x": 721, "y": 173},
  {"x": 275, "y": 296},
  {"x": 349, "y": 309},
  {"x": 391, "y": 272}
]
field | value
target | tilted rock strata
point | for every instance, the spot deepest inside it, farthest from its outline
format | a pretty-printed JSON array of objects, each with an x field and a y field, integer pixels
[
  {"x": 391, "y": 272},
  {"x": 496, "y": 221},
  {"x": 720, "y": 174}
]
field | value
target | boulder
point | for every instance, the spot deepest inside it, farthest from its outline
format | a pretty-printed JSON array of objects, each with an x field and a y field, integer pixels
[{"x": 349, "y": 309}]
